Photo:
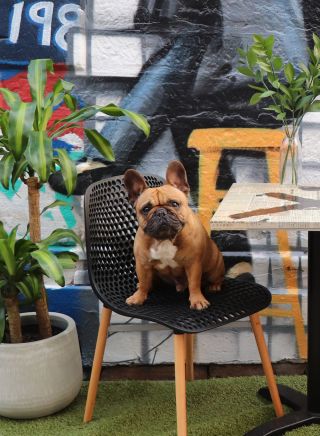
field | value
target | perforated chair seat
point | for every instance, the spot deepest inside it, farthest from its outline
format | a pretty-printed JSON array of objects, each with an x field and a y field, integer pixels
[{"x": 110, "y": 230}]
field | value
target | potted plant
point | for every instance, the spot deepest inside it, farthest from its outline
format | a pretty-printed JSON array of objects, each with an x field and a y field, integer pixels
[
  {"x": 291, "y": 92},
  {"x": 26, "y": 145},
  {"x": 31, "y": 385}
]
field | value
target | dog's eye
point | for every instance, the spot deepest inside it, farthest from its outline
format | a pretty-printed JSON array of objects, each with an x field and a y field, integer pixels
[
  {"x": 146, "y": 209},
  {"x": 174, "y": 203}
]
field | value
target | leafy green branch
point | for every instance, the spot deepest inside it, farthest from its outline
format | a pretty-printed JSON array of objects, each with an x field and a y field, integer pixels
[{"x": 292, "y": 90}]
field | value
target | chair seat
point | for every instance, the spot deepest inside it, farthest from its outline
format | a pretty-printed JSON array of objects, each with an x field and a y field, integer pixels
[
  {"x": 110, "y": 231},
  {"x": 166, "y": 306}
]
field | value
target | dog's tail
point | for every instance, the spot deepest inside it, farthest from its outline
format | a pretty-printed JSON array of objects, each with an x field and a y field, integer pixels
[{"x": 241, "y": 270}]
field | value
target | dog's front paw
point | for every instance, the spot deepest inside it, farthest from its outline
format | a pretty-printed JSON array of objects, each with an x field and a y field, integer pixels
[
  {"x": 198, "y": 302},
  {"x": 138, "y": 298}
]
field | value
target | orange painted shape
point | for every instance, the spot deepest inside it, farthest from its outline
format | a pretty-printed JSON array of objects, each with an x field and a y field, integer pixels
[
  {"x": 208, "y": 140},
  {"x": 211, "y": 142}
]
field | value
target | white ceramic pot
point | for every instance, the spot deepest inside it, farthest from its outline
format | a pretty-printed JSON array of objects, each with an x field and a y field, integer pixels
[{"x": 40, "y": 378}]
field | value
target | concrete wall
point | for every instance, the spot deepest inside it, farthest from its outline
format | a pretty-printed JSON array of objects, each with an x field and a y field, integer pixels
[{"x": 175, "y": 61}]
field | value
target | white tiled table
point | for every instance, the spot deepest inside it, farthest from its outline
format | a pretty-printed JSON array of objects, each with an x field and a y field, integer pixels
[{"x": 273, "y": 207}]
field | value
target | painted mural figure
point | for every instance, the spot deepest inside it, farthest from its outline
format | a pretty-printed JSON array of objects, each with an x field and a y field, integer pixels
[{"x": 191, "y": 81}]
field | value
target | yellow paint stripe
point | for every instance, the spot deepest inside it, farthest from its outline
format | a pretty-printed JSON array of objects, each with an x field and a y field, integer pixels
[{"x": 289, "y": 268}]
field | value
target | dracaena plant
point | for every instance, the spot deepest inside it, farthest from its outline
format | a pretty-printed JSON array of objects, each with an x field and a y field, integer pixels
[
  {"x": 28, "y": 129},
  {"x": 22, "y": 264},
  {"x": 290, "y": 90}
]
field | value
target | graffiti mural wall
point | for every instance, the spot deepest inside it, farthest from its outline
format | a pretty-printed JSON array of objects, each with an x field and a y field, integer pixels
[
  {"x": 29, "y": 30},
  {"x": 175, "y": 61}
]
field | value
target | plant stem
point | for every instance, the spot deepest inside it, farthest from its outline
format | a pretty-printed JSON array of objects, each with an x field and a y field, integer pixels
[
  {"x": 12, "y": 308},
  {"x": 290, "y": 150},
  {"x": 35, "y": 235},
  {"x": 284, "y": 165}
]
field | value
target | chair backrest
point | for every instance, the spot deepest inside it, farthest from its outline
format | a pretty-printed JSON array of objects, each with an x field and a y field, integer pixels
[{"x": 111, "y": 225}]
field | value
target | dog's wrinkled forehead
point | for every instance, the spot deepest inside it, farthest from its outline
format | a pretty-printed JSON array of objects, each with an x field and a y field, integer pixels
[{"x": 161, "y": 196}]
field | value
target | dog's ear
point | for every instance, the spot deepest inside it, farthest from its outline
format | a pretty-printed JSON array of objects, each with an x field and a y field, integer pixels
[
  {"x": 176, "y": 176},
  {"x": 135, "y": 184}
]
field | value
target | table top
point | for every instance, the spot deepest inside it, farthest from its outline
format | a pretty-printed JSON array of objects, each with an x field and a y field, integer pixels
[{"x": 248, "y": 206}]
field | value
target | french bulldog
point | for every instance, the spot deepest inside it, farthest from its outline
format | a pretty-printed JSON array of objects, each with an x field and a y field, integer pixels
[{"x": 171, "y": 242}]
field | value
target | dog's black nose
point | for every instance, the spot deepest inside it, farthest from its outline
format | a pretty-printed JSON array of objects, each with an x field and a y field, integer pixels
[{"x": 162, "y": 211}]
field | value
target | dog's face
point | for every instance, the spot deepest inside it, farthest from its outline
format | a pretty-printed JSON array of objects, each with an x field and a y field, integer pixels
[{"x": 162, "y": 212}]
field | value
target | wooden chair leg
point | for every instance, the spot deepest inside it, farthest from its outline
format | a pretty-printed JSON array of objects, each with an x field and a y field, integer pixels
[
  {"x": 189, "y": 357},
  {"x": 97, "y": 363},
  {"x": 180, "y": 377},
  {"x": 266, "y": 363}
]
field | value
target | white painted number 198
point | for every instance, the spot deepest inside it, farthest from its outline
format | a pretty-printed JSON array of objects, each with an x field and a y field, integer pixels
[{"x": 40, "y": 14}]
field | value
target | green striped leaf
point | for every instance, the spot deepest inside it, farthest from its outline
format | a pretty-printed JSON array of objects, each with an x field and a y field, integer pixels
[
  {"x": 37, "y": 78},
  {"x": 19, "y": 169},
  {"x": 88, "y": 112},
  {"x": 63, "y": 128},
  {"x": 68, "y": 170},
  {"x": 46, "y": 115},
  {"x": 100, "y": 143},
  {"x": 78, "y": 115},
  {"x": 2, "y": 315},
  {"x": 6, "y": 168},
  {"x": 70, "y": 101},
  {"x": 67, "y": 259},
  {"x": 56, "y": 203},
  {"x": 25, "y": 289},
  {"x": 112, "y": 110},
  {"x": 7, "y": 256},
  {"x": 57, "y": 235},
  {"x": 21, "y": 119},
  {"x": 49, "y": 265},
  {"x": 30, "y": 287},
  {"x": 139, "y": 120},
  {"x": 11, "y": 98},
  {"x": 62, "y": 86},
  {"x": 48, "y": 100},
  {"x": 12, "y": 238},
  {"x": 23, "y": 247},
  {"x": 39, "y": 154},
  {"x": 3, "y": 233},
  {"x": 4, "y": 124},
  {"x": 37, "y": 284}
]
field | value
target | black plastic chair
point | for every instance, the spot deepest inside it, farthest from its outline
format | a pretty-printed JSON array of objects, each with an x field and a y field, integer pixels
[{"x": 111, "y": 226}]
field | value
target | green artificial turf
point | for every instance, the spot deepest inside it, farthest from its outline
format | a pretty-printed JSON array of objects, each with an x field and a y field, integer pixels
[{"x": 216, "y": 407}]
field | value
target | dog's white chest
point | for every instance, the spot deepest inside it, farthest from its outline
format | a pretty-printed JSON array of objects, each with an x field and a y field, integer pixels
[{"x": 164, "y": 252}]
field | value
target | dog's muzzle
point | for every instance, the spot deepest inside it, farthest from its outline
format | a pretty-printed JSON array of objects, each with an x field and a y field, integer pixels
[{"x": 163, "y": 224}]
